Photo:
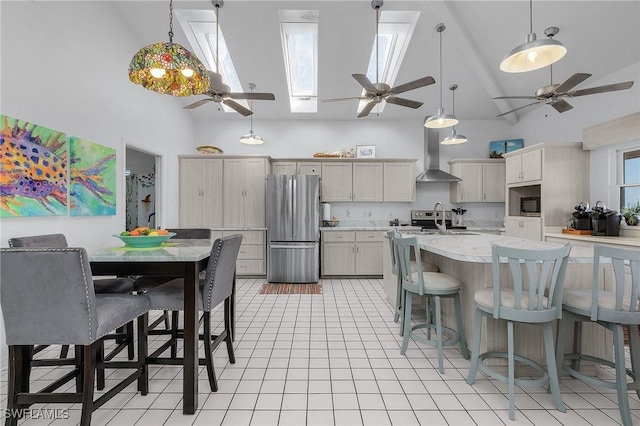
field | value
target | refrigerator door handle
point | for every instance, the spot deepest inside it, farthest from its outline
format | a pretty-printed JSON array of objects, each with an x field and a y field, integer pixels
[
  {"x": 290, "y": 202},
  {"x": 297, "y": 247},
  {"x": 294, "y": 203}
]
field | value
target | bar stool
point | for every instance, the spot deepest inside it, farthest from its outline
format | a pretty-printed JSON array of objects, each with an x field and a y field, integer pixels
[
  {"x": 427, "y": 267},
  {"x": 534, "y": 300},
  {"x": 433, "y": 285},
  {"x": 611, "y": 310}
]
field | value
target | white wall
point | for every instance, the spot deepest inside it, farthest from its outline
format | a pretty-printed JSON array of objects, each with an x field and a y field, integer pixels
[
  {"x": 64, "y": 66},
  {"x": 393, "y": 139}
]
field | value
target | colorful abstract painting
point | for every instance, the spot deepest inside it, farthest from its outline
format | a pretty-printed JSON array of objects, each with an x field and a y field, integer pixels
[
  {"x": 93, "y": 179},
  {"x": 33, "y": 170}
]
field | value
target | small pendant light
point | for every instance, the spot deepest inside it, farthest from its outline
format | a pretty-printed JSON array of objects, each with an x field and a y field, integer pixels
[
  {"x": 533, "y": 54},
  {"x": 169, "y": 68},
  {"x": 251, "y": 138},
  {"x": 440, "y": 120},
  {"x": 455, "y": 138}
]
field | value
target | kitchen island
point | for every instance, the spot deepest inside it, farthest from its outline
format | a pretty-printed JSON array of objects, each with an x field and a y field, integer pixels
[{"x": 467, "y": 257}]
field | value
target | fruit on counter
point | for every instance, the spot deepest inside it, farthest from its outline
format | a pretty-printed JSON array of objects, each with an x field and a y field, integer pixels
[{"x": 144, "y": 231}]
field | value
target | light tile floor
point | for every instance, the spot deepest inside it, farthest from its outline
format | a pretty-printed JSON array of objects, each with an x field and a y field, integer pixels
[{"x": 334, "y": 359}]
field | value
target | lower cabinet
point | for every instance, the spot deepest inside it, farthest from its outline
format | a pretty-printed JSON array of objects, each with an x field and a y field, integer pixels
[
  {"x": 251, "y": 257},
  {"x": 523, "y": 227},
  {"x": 352, "y": 253}
]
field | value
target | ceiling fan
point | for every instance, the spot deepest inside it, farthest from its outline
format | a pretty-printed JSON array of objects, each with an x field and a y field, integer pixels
[
  {"x": 220, "y": 92},
  {"x": 553, "y": 94},
  {"x": 378, "y": 92}
]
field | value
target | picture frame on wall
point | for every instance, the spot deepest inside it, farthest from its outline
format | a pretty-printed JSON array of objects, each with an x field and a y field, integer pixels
[
  {"x": 365, "y": 151},
  {"x": 497, "y": 148}
]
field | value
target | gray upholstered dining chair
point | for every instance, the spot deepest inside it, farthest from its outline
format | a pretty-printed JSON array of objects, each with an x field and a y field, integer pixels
[
  {"x": 48, "y": 298},
  {"x": 534, "y": 297},
  {"x": 612, "y": 310},
  {"x": 426, "y": 267},
  {"x": 119, "y": 285},
  {"x": 433, "y": 286},
  {"x": 215, "y": 288}
]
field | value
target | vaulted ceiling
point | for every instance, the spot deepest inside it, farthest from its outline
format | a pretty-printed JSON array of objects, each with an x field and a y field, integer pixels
[{"x": 601, "y": 37}]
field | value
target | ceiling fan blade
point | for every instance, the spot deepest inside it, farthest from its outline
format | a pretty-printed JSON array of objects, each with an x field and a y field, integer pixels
[
  {"x": 561, "y": 105},
  {"x": 365, "y": 82},
  {"x": 514, "y": 110},
  {"x": 197, "y": 104},
  {"x": 515, "y": 97},
  {"x": 421, "y": 82},
  {"x": 255, "y": 95},
  {"x": 236, "y": 106},
  {"x": 367, "y": 109},
  {"x": 601, "y": 89},
  {"x": 404, "y": 102},
  {"x": 360, "y": 98},
  {"x": 571, "y": 82}
]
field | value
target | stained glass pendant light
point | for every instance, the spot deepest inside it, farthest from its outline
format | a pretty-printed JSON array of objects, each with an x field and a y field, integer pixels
[
  {"x": 440, "y": 120},
  {"x": 251, "y": 138},
  {"x": 455, "y": 138},
  {"x": 169, "y": 68},
  {"x": 533, "y": 54}
]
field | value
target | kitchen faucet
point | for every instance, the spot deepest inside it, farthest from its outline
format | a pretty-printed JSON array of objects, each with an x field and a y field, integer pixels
[{"x": 442, "y": 227}]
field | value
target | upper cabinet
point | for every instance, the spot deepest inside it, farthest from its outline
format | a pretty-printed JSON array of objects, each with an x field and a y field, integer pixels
[
  {"x": 337, "y": 181},
  {"x": 200, "y": 193},
  {"x": 368, "y": 182},
  {"x": 524, "y": 167},
  {"x": 400, "y": 182},
  {"x": 296, "y": 168},
  {"x": 483, "y": 181},
  {"x": 244, "y": 192}
]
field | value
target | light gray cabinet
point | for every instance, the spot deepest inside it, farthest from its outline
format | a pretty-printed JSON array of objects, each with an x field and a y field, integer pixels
[
  {"x": 483, "y": 181},
  {"x": 368, "y": 182},
  {"x": 244, "y": 192},
  {"x": 296, "y": 168},
  {"x": 251, "y": 257},
  {"x": 523, "y": 227},
  {"x": 347, "y": 253},
  {"x": 337, "y": 181},
  {"x": 200, "y": 193},
  {"x": 524, "y": 167},
  {"x": 399, "y": 182}
]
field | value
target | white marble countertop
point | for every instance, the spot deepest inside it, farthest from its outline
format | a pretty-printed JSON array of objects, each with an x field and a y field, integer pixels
[
  {"x": 368, "y": 228},
  {"x": 238, "y": 229},
  {"x": 626, "y": 241},
  {"x": 477, "y": 248}
]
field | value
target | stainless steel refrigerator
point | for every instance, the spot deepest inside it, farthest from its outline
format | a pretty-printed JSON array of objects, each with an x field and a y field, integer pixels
[{"x": 293, "y": 234}]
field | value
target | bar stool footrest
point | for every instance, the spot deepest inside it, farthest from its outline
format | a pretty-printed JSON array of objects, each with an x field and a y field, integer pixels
[
  {"x": 540, "y": 381},
  {"x": 451, "y": 335},
  {"x": 633, "y": 385}
]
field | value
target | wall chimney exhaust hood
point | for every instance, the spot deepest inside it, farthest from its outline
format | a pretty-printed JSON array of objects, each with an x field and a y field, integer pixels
[{"x": 432, "y": 172}]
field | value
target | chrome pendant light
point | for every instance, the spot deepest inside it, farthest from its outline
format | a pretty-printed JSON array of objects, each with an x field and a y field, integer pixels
[
  {"x": 169, "y": 68},
  {"x": 440, "y": 120},
  {"x": 533, "y": 54},
  {"x": 455, "y": 138},
  {"x": 251, "y": 138}
]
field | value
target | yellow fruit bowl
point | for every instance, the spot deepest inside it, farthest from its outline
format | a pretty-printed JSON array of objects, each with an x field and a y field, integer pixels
[{"x": 142, "y": 241}]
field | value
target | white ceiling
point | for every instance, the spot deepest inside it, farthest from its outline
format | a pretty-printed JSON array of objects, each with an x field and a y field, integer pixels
[{"x": 601, "y": 37}]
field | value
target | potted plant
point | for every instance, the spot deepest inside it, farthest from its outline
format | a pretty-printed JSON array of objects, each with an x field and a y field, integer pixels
[{"x": 631, "y": 214}]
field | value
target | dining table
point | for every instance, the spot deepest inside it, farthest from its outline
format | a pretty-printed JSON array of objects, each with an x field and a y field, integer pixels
[{"x": 186, "y": 258}]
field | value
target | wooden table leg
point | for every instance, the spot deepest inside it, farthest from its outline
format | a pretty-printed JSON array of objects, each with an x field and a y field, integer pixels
[{"x": 190, "y": 373}]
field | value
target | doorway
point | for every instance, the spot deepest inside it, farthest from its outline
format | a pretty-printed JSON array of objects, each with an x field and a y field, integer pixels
[{"x": 141, "y": 188}]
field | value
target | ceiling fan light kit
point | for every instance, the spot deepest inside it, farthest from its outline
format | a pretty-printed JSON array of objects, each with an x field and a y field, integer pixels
[
  {"x": 534, "y": 54},
  {"x": 251, "y": 138},
  {"x": 440, "y": 120},
  {"x": 455, "y": 138},
  {"x": 169, "y": 68}
]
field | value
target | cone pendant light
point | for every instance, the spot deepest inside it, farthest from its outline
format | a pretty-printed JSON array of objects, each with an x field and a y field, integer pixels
[
  {"x": 455, "y": 138},
  {"x": 440, "y": 120}
]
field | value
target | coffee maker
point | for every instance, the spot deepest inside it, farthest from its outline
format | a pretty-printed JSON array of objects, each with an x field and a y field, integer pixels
[{"x": 605, "y": 222}]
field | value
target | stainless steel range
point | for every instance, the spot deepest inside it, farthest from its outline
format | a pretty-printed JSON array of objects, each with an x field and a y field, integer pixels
[{"x": 426, "y": 219}]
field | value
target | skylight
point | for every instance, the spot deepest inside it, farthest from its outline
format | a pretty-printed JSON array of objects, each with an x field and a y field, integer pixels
[
  {"x": 299, "y": 34},
  {"x": 200, "y": 28},
  {"x": 394, "y": 32}
]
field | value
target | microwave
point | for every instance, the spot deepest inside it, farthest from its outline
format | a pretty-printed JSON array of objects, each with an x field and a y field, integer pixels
[{"x": 530, "y": 206}]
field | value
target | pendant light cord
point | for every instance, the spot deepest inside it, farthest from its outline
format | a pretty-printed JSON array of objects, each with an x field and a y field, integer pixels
[
  {"x": 171, "y": 21},
  {"x": 217, "y": 37},
  {"x": 441, "y": 69},
  {"x": 530, "y": 16}
]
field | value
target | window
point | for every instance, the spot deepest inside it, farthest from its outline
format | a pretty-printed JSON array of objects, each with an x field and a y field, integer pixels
[
  {"x": 630, "y": 184},
  {"x": 299, "y": 33}
]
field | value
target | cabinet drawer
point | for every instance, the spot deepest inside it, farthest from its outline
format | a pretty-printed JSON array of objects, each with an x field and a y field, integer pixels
[
  {"x": 369, "y": 236},
  {"x": 251, "y": 252},
  {"x": 250, "y": 267},
  {"x": 248, "y": 237},
  {"x": 338, "y": 236}
]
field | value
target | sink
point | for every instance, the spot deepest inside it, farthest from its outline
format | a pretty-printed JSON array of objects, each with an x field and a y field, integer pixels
[{"x": 461, "y": 233}]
